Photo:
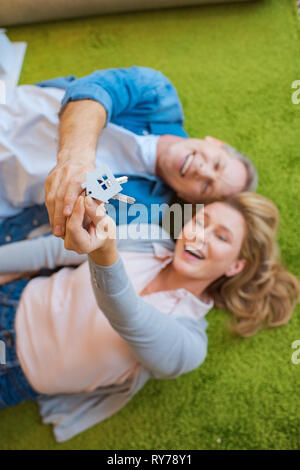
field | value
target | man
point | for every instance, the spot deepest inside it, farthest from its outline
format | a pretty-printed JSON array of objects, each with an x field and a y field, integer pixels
[{"x": 139, "y": 116}]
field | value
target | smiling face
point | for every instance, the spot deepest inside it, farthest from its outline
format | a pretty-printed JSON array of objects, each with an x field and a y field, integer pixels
[
  {"x": 216, "y": 235},
  {"x": 200, "y": 170}
]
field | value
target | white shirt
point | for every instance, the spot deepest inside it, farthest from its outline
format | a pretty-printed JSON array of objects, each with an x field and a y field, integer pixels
[{"x": 29, "y": 145}]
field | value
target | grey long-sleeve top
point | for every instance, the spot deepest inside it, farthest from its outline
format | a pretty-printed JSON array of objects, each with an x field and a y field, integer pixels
[{"x": 165, "y": 346}]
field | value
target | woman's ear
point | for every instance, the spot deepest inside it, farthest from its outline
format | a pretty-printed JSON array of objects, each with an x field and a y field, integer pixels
[{"x": 236, "y": 267}]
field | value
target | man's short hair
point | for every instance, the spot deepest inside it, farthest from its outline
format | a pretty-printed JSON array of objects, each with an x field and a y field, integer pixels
[{"x": 252, "y": 176}]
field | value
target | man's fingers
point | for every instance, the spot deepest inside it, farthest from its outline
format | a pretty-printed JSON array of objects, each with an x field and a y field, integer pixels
[
  {"x": 59, "y": 219},
  {"x": 62, "y": 188},
  {"x": 55, "y": 188},
  {"x": 51, "y": 186},
  {"x": 66, "y": 198}
]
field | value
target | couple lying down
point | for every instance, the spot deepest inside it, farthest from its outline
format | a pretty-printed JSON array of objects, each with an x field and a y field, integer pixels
[
  {"x": 84, "y": 340},
  {"x": 88, "y": 338}
]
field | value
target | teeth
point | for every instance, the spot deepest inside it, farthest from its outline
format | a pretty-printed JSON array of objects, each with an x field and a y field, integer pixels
[
  {"x": 187, "y": 163},
  {"x": 193, "y": 252}
]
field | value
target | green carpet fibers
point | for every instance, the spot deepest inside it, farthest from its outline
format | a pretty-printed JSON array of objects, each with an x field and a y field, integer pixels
[{"x": 233, "y": 66}]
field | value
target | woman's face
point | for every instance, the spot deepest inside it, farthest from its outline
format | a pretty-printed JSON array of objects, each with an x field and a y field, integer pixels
[{"x": 216, "y": 234}]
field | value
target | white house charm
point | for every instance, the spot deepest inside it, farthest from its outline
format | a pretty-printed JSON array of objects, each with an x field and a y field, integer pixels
[{"x": 102, "y": 185}]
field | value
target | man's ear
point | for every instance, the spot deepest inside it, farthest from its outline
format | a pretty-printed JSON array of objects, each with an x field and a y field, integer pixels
[
  {"x": 236, "y": 267},
  {"x": 213, "y": 140}
]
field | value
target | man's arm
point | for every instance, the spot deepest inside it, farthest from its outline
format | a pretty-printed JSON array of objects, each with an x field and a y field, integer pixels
[
  {"x": 80, "y": 125},
  {"x": 89, "y": 103},
  {"x": 139, "y": 91}
]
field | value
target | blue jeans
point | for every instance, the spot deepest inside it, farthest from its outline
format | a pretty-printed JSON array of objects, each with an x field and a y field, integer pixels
[{"x": 14, "y": 387}]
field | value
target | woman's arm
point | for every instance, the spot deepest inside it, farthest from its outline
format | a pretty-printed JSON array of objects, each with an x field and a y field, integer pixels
[
  {"x": 35, "y": 254},
  {"x": 167, "y": 345}
]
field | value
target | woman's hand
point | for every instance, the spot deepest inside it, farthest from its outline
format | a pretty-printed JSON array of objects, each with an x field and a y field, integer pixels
[{"x": 98, "y": 236}]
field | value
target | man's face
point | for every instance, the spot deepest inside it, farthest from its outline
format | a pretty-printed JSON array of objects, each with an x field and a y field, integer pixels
[{"x": 200, "y": 170}]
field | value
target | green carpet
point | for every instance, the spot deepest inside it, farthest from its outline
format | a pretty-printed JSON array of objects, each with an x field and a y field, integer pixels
[{"x": 233, "y": 66}]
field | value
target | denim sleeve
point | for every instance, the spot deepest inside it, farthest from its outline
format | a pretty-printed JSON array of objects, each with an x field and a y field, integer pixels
[
  {"x": 167, "y": 346},
  {"x": 140, "y": 92}
]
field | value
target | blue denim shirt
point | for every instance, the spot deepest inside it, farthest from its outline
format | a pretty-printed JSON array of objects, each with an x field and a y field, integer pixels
[{"x": 140, "y": 99}]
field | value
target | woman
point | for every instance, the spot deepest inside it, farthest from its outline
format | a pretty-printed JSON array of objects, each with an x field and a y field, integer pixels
[{"x": 151, "y": 320}]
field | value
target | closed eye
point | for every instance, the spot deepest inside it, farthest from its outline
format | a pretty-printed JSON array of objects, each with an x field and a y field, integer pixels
[
  {"x": 222, "y": 237},
  {"x": 206, "y": 187},
  {"x": 217, "y": 165}
]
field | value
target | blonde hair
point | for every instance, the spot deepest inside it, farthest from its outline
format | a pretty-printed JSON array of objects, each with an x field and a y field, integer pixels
[{"x": 264, "y": 294}]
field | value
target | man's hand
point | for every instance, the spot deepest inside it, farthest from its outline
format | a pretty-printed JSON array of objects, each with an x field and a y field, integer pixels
[
  {"x": 81, "y": 123},
  {"x": 98, "y": 236},
  {"x": 62, "y": 188}
]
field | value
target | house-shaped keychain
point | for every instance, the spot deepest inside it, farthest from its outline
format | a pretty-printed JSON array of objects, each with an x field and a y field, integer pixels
[{"x": 102, "y": 185}]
